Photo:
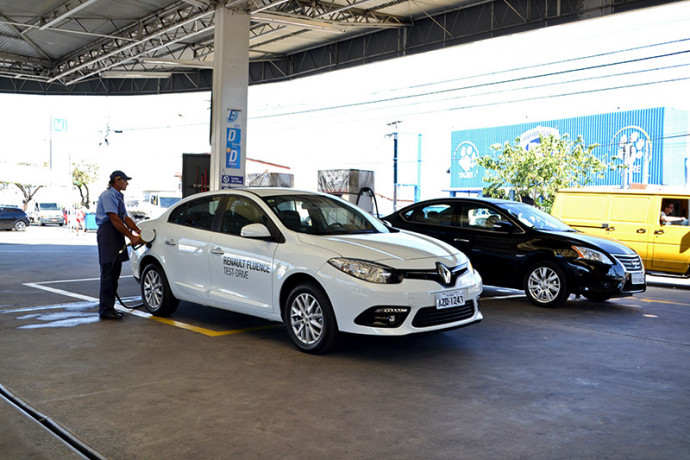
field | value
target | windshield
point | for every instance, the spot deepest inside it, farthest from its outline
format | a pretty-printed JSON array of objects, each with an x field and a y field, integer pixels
[
  {"x": 167, "y": 201},
  {"x": 322, "y": 215},
  {"x": 48, "y": 207},
  {"x": 535, "y": 218}
]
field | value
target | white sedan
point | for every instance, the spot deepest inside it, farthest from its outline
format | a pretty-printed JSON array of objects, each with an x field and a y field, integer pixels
[{"x": 313, "y": 261}]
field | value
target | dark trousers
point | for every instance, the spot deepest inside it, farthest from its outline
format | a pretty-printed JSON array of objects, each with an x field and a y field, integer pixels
[{"x": 110, "y": 275}]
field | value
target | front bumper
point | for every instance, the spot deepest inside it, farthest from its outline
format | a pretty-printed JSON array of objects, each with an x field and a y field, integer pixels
[
  {"x": 354, "y": 299},
  {"x": 602, "y": 280}
]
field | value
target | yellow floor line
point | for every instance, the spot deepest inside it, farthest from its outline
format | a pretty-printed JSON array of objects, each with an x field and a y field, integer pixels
[
  {"x": 210, "y": 332},
  {"x": 664, "y": 301}
]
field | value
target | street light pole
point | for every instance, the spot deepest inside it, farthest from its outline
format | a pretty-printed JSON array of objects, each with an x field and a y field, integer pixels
[{"x": 395, "y": 162}]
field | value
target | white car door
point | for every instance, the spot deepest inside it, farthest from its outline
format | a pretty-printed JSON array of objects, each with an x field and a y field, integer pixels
[
  {"x": 185, "y": 248},
  {"x": 242, "y": 268}
]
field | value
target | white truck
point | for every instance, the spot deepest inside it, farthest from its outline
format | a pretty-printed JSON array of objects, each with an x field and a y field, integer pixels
[
  {"x": 152, "y": 203},
  {"x": 47, "y": 213}
]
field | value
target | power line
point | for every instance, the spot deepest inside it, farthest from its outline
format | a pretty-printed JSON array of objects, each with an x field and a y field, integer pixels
[{"x": 502, "y": 82}]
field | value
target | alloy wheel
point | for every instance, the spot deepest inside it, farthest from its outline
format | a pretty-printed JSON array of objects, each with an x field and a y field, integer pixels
[{"x": 306, "y": 318}]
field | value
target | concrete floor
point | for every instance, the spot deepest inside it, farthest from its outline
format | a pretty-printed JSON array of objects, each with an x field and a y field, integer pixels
[{"x": 583, "y": 381}]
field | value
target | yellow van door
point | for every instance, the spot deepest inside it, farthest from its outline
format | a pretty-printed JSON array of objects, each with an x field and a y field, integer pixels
[
  {"x": 582, "y": 211},
  {"x": 671, "y": 248},
  {"x": 629, "y": 223}
]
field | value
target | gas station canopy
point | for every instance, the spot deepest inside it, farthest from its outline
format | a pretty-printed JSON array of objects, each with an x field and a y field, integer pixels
[{"x": 120, "y": 47}]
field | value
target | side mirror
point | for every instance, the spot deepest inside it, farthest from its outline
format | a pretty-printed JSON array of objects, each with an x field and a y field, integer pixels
[
  {"x": 256, "y": 231},
  {"x": 503, "y": 226},
  {"x": 389, "y": 226}
]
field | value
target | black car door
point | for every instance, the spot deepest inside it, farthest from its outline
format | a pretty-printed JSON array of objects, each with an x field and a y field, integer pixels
[
  {"x": 491, "y": 240},
  {"x": 434, "y": 219},
  {"x": 5, "y": 219}
]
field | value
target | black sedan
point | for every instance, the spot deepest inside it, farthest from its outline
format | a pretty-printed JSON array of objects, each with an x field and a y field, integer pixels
[
  {"x": 13, "y": 218},
  {"x": 516, "y": 245}
]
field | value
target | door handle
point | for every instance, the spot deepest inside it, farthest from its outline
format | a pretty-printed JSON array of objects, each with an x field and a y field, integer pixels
[
  {"x": 641, "y": 230},
  {"x": 658, "y": 232},
  {"x": 461, "y": 240},
  {"x": 610, "y": 229},
  {"x": 170, "y": 242},
  {"x": 217, "y": 251}
]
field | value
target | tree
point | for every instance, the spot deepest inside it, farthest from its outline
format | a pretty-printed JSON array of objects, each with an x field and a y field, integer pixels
[
  {"x": 538, "y": 173},
  {"x": 28, "y": 191},
  {"x": 84, "y": 174}
]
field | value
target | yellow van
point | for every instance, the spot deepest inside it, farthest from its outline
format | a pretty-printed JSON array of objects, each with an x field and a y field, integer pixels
[{"x": 652, "y": 221}]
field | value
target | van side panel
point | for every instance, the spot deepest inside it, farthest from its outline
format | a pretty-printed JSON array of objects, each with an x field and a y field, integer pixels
[
  {"x": 629, "y": 222},
  {"x": 584, "y": 212}
]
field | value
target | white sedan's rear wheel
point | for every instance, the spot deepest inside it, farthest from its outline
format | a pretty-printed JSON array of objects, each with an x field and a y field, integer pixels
[{"x": 156, "y": 293}]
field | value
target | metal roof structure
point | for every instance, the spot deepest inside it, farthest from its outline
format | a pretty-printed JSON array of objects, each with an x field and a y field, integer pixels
[{"x": 121, "y": 47}]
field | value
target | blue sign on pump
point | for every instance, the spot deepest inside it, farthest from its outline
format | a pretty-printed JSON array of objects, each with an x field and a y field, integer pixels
[{"x": 233, "y": 150}]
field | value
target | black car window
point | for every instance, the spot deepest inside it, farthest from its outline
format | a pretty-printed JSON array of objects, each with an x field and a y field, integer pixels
[
  {"x": 239, "y": 212},
  {"x": 479, "y": 217},
  {"x": 535, "y": 218},
  {"x": 435, "y": 214},
  {"x": 198, "y": 213}
]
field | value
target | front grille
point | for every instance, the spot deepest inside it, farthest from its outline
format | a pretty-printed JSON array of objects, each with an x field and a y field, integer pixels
[
  {"x": 432, "y": 316},
  {"x": 631, "y": 263},
  {"x": 434, "y": 275}
]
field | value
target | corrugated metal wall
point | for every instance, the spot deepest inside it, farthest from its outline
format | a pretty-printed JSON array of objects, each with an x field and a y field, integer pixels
[{"x": 654, "y": 141}]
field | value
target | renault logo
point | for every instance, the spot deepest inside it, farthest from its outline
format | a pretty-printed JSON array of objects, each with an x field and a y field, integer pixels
[{"x": 444, "y": 273}]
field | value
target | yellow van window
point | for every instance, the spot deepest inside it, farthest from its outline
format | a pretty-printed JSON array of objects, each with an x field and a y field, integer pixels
[{"x": 629, "y": 209}]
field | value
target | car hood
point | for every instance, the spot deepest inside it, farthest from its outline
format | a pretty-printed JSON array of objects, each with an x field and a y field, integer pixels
[
  {"x": 399, "y": 250},
  {"x": 606, "y": 244}
]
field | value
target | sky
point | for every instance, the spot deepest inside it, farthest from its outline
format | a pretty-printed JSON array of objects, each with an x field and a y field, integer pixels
[{"x": 340, "y": 120}]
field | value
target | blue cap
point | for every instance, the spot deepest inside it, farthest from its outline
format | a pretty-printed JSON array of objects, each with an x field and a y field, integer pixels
[{"x": 119, "y": 173}]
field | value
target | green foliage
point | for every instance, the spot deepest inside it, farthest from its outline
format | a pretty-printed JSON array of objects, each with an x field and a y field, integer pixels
[
  {"x": 540, "y": 172},
  {"x": 84, "y": 174}
]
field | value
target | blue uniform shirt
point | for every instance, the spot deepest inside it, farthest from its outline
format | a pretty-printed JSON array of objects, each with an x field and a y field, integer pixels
[{"x": 110, "y": 201}]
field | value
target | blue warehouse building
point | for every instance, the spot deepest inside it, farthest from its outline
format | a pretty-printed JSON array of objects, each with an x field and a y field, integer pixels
[{"x": 652, "y": 142}]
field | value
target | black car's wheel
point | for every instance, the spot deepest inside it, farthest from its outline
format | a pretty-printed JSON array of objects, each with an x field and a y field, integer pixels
[
  {"x": 20, "y": 226},
  {"x": 545, "y": 285},
  {"x": 156, "y": 293},
  {"x": 310, "y": 320}
]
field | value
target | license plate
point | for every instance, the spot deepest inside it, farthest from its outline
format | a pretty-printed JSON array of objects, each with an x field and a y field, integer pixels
[
  {"x": 450, "y": 299},
  {"x": 637, "y": 278}
]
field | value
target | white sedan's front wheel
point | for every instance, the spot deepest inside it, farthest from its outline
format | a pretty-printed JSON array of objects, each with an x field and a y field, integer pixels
[{"x": 310, "y": 320}]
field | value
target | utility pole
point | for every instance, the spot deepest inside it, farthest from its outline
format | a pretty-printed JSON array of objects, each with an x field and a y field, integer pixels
[{"x": 395, "y": 162}]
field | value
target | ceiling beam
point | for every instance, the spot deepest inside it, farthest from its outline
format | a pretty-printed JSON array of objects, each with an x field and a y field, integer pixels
[{"x": 64, "y": 11}]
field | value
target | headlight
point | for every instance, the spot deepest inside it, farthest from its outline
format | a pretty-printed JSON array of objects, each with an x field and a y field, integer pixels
[
  {"x": 367, "y": 271},
  {"x": 592, "y": 254}
]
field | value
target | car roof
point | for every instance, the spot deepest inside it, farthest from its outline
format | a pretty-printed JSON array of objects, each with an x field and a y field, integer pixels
[
  {"x": 260, "y": 192},
  {"x": 495, "y": 201}
]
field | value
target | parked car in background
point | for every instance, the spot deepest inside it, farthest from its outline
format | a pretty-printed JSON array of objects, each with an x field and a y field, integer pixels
[
  {"x": 314, "y": 261},
  {"x": 651, "y": 220},
  {"x": 12, "y": 218},
  {"x": 516, "y": 245},
  {"x": 47, "y": 213}
]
